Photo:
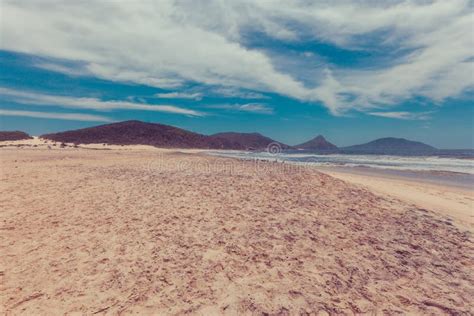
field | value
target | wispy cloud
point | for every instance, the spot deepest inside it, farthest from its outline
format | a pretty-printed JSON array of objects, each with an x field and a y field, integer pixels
[
  {"x": 248, "y": 107},
  {"x": 60, "y": 116},
  {"x": 403, "y": 115},
  {"x": 256, "y": 108},
  {"x": 57, "y": 67},
  {"x": 180, "y": 95},
  {"x": 229, "y": 92},
  {"x": 33, "y": 98}
]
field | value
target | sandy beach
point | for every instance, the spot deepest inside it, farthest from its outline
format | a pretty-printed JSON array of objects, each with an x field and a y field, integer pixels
[
  {"x": 136, "y": 230},
  {"x": 453, "y": 201}
]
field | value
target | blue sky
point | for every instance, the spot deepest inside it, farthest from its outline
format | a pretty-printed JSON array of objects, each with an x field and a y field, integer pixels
[{"x": 352, "y": 71}]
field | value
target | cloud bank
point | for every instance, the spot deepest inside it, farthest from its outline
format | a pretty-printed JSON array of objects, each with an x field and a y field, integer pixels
[{"x": 169, "y": 43}]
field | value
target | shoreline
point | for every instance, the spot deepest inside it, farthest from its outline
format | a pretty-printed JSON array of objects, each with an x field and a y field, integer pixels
[
  {"x": 452, "y": 179},
  {"x": 449, "y": 194},
  {"x": 428, "y": 190},
  {"x": 437, "y": 167}
]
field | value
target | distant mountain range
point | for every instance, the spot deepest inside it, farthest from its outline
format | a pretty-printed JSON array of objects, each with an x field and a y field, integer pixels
[
  {"x": 319, "y": 143},
  {"x": 381, "y": 146},
  {"x": 159, "y": 135},
  {"x": 390, "y": 146},
  {"x": 13, "y": 135}
]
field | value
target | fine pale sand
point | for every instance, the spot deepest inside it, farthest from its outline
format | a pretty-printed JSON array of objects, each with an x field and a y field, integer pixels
[
  {"x": 137, "y": 230},
  {"x": 453, "y": 202}
]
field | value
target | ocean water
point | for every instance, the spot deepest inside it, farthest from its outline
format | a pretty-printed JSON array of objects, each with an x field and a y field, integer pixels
[{"x": 412, "y": 163}]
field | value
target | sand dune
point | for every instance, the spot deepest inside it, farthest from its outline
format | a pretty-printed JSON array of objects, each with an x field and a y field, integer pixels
[{"x": 162, "y": 232}]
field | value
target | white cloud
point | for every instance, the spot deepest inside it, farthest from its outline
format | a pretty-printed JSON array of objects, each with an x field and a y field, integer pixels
[
  {"x": 248, "y": 107},
  {"x": 229, "y": 92},
  {"x": 256, "y": 108},
  {"x": 167, "y": 43},
  {"x": 33, "y": 98},
  {"x": 57, "y": 67},
  {"x": 180, "y": 95},
  {"x": 403, "y": 115},
  {"x": 60, "y": 116}
]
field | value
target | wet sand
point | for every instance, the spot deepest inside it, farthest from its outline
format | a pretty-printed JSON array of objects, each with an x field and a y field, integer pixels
[
  {"x": 450, "y": 195},
  {"x": 149, "y": 231},
  {"x": 454, "y": 180}
]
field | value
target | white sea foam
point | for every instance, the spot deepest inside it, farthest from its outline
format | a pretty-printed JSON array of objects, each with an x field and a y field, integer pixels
[{"x": 430, "y": 163}]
